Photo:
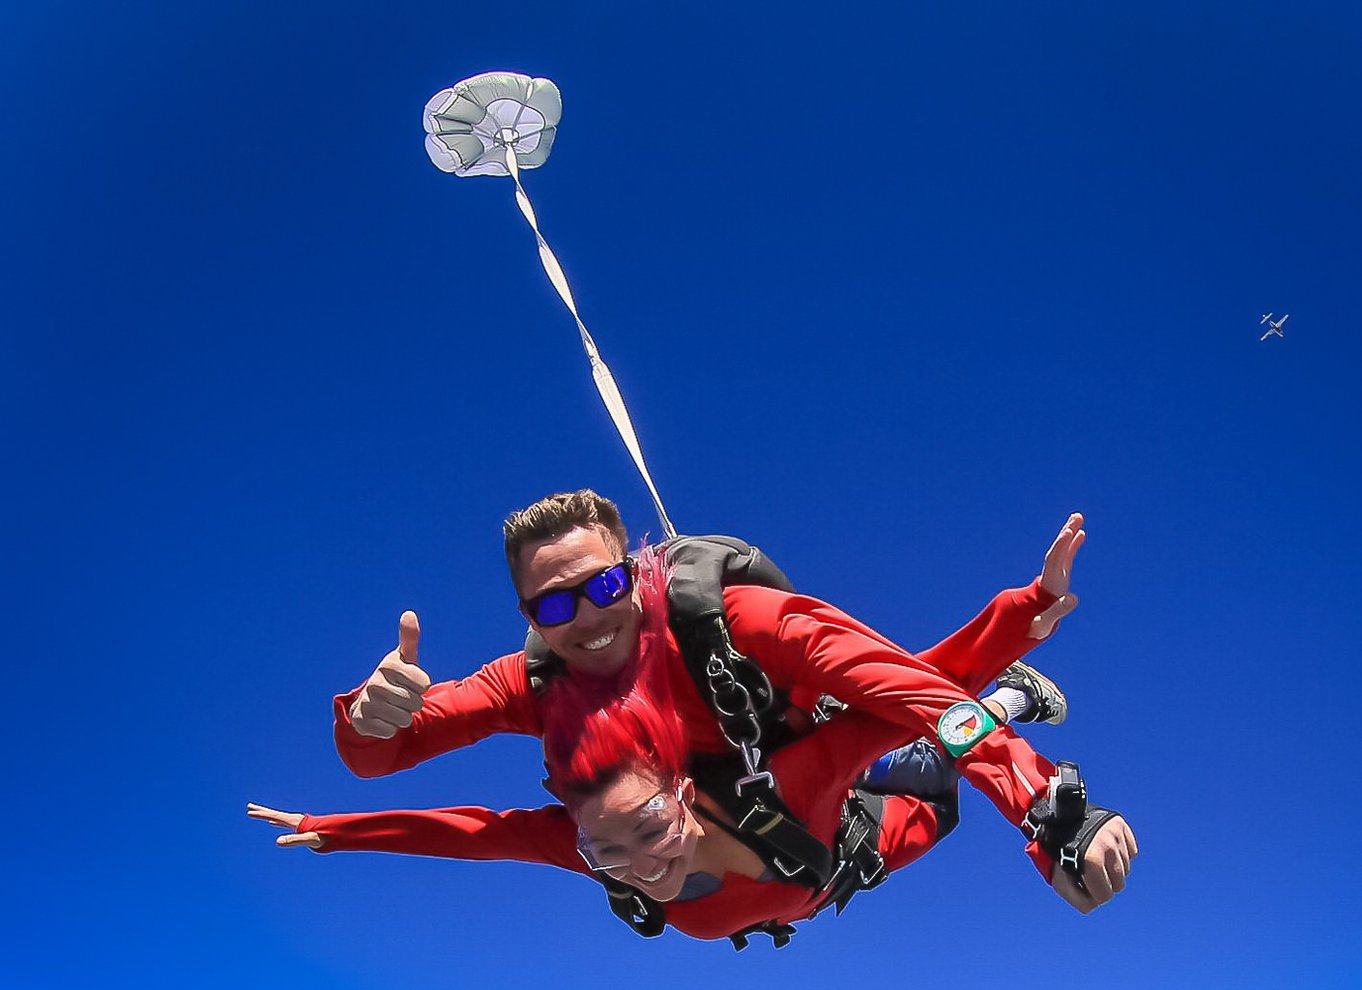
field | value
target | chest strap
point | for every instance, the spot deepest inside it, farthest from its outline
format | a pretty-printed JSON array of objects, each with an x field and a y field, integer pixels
[
  {"x": 636, "y": 909},
  {"x": 763, "y": 821},
  {"x": 859, "y": 865}
]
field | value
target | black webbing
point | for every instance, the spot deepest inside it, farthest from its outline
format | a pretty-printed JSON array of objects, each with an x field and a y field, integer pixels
[
  {"x": 764, "y": 823},
  {"x": 636, "y": 909}
]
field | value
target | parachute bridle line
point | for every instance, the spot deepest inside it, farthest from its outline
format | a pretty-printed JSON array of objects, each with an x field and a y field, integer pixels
[{"x": 600, "y": 373}]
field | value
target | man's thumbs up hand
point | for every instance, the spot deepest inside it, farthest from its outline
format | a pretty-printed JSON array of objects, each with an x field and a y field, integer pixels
[{"x": 392, "y": 694}]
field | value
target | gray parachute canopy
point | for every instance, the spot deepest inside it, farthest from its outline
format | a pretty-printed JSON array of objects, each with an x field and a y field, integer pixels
[
  {"x": 469, "y": 125},
  {"x": 498, "y": 123}
]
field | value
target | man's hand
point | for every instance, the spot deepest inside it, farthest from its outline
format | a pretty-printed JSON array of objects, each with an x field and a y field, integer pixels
[
  {"x": 392, "y": 695},
  {"x": 1054, "y": 577},
  {"x": 285, "y": 819},
  {"x": 1106, "y": 865}
]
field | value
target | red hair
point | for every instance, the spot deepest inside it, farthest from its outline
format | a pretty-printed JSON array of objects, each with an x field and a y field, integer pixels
[{"x": 596, "y": 729}]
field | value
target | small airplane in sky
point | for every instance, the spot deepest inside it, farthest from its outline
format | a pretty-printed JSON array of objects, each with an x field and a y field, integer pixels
[{"x": 1273, "y": 326}]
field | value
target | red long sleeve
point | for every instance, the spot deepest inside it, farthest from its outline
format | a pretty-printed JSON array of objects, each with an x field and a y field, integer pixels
[
  {"x": 454, "y": 714},
  {"x": 542, "y": 835},
  {"x": 979, "y": 651}
]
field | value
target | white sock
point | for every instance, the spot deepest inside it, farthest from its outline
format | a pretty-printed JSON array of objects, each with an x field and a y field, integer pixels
[{"x": 1013, "y": 702}]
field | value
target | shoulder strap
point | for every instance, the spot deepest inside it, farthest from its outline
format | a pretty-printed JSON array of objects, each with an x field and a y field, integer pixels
[
  {"x": 764, "y": 824},
  {"x": 702, "y": 566},
  {"x": 542, "y": 665},
  {"x": 739, "y": 693}
]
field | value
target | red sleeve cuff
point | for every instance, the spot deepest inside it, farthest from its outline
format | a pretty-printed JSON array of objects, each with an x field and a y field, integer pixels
[
  {"x": 353, "y": 748},
  {"x": 341, "y": 707},
  {"x": 313, "y": 823},
  {"x": 1044, "y": 862},
  {"x": 1036, "y": 595}
]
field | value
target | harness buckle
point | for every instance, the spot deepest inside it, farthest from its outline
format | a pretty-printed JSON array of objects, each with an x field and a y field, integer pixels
[
  {"x": 751, "y": 756},
  {"x": 767, "y": 781},
  {"x": 876, "y": 875}
]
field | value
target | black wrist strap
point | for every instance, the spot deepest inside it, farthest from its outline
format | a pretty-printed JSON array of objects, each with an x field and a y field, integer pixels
[
  {"x": 1063, "y": 822},
  {"x": 1072, "y": 852}
]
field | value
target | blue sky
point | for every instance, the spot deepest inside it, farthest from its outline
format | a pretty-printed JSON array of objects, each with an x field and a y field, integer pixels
[{"x": 891, "y": 289}]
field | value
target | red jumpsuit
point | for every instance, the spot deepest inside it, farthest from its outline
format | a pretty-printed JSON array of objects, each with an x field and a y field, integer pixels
[
  {"x": 814, "y": 775},
  {"x": 805, "y": 646}
]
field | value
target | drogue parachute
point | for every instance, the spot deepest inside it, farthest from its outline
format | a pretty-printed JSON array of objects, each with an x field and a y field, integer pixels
[
  {"x": 469, "y": 125},
  {"x": 498, "y": 123}
]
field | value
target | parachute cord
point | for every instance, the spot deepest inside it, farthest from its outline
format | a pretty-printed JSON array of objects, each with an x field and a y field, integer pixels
[{"x": 605, "y": 381}]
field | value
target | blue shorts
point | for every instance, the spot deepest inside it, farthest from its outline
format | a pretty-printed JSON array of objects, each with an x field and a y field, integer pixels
[{"x": 919, "y": 769}]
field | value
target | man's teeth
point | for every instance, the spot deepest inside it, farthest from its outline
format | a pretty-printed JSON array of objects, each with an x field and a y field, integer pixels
[
  {"x": 600, "y": 644},
  {"x": 655, "y": 876}
]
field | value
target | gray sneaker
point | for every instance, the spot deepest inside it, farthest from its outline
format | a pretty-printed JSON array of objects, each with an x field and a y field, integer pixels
[{"x": 1048, "y": 701}]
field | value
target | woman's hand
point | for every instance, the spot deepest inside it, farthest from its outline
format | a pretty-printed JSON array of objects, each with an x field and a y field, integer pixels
[{"x": 289, "y": 820}]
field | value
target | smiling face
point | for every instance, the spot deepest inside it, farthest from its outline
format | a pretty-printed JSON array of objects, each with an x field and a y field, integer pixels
[
  {"x": 642, "y": 832},
  {"x": 598, "y": 641}
]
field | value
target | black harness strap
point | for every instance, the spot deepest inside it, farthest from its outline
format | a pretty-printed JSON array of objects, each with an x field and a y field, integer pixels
[
  {"x": 542, "y": 665},
  {"x": 738, "y": 692},
  {"x": 702, "y": 566},
  {"x": 764, "y": 823},
  {"x": 780, "y": 934},
  {"x": 859, "y": 864},
  {"x": 635, "y": 908}
]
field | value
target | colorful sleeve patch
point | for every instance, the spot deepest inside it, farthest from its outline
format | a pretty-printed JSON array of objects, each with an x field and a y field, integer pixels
[{"x": 963, "y": 725}]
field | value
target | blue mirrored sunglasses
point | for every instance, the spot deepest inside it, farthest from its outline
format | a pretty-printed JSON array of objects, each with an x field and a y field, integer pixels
[{"x": 602, "y": 589}]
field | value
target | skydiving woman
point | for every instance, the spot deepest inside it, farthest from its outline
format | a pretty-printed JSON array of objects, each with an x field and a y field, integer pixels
[{"x": 639, "y": 819}]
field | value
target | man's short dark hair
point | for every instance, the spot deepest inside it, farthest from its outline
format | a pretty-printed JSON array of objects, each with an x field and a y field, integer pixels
[{"x": 557, "y": 515}]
